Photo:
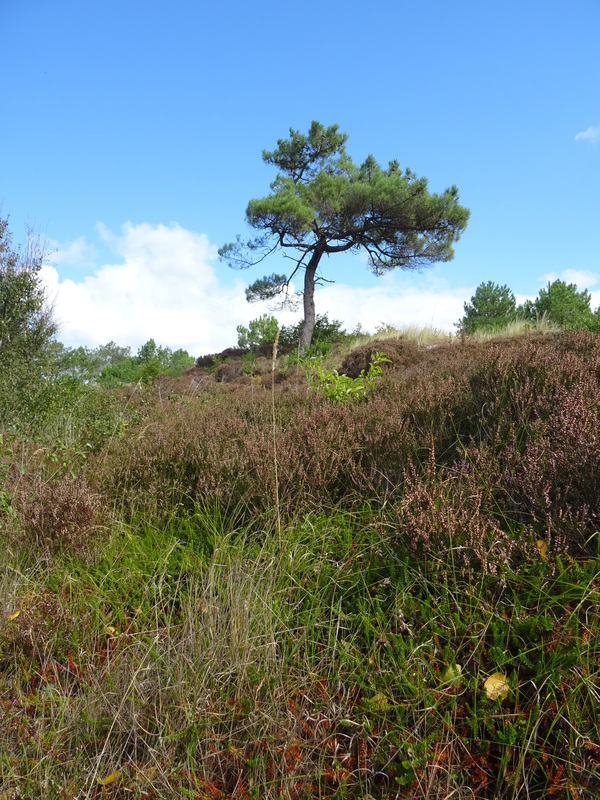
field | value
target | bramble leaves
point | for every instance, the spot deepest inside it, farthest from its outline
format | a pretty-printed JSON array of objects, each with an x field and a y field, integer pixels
[{"x": 341, "y": 388}]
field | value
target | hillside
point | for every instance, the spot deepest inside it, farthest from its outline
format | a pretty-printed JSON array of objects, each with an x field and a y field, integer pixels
[{"x": 254, "y": 585}]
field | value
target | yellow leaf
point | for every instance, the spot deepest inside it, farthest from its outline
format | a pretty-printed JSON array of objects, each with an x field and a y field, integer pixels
[
  {"x": 543, "y": 548},
  {"x": 379, "y": 702},
  {"x": 452, "y": 674},
  {"x": 109, "y": 778},
  {"x": 110, "y": 630},
  {"x": 15, "y": 614},
  {"x": 496, "y": 686}
]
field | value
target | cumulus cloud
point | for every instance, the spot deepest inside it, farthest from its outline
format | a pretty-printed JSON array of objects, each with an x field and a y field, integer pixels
[
  {"x": 591, "y": 135},
  {"x": 583, "y": 279},
  {"x": 163, "y": 283}
]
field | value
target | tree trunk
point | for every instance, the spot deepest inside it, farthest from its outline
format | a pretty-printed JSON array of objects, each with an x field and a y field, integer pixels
[{"x": 309, "y": 302}]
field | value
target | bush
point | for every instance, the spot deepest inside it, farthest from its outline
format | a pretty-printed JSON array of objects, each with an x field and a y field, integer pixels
[
  {"x": 326, "y": 332},
  {"x": 341, "y": 388},
  {"x": 61, "y": 516},
  {"x": 563, "y": 305},
  {"x": 228, "y": 371},
  {"x": 492, "y": 307},
  {"x": 26, "y": 329},
  {"x": 401, "y": 353}
]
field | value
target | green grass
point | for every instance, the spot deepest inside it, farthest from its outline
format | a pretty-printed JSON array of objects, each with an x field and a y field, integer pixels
[{"x": 199, "y": 665}]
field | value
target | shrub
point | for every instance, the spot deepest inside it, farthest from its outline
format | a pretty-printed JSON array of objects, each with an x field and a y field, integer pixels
[
  {"x": 26, "y": 329},
  {"x": 58, "y": 516},
  {"x": 341, "y": 388},
  {"x": 260, "y": 332},
  {"x": 511, "y": 425},
  {"x": 228, "y": 371},
  {"x": 400, "y": 353},
  {"x": 326, "y": 331},
  {"x": 492, "y": 307}
]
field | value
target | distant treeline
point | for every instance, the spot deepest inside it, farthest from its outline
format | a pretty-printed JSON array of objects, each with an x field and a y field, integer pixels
[{"x": 493, "y": 307}]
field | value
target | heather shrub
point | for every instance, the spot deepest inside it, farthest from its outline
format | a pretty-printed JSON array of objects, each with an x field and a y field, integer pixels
[
  {"x": 219, "y": 449},
  {"x": 46, "y": 504},
  {"x": 228, "y": 371},
  {"x": 536, "y": 440},
  {"x": 58, "y": 516},
  {"x": 561, "y": 467},
  {"x": 515, "y": 421},
  {"x": 448, "y": 517},
  {"x": 214, "y": 359},
  {"x": 191, "y": 449}
]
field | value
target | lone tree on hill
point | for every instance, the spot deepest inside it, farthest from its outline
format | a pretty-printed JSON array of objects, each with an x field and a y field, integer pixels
[{"x": 322, "y": 203}]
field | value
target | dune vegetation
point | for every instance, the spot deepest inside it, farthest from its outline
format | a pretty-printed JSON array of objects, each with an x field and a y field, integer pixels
[{"x": 269, "y": 578}]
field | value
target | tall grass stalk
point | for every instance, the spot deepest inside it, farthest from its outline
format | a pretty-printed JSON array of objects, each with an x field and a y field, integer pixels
[{"x": 274, "y": 427}]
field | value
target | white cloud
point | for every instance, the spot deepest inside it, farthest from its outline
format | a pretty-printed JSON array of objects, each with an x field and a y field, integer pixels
[
  {"x": 591, "y": 135},
  {"x": 163, "y": 285},
  {"x": 76, "y": 253},
  {"x": 421, "y": 302},
  {"x": 583, "y": 279},
  {"x": 521, "y": 298}
]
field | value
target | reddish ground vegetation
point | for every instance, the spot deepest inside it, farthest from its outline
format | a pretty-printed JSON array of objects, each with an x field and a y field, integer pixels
[{"x": 504, "y": 435}]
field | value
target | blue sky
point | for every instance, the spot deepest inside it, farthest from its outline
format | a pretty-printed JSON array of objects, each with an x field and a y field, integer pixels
[{"x": 132, "y": 133}]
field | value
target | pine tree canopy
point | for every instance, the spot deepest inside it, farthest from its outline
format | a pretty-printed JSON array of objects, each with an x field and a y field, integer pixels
[{"x": 322, "y": 203}]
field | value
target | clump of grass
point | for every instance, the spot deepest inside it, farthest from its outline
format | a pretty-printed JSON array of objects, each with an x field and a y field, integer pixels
[
  {"x": 515, "y": 328},
  {"x": 423, "y": 336}
]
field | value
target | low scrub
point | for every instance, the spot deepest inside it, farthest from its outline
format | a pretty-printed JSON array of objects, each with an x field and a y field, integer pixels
[
  {"x": 513, "y": 426},
  {"x": 253, "y": 590}
]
